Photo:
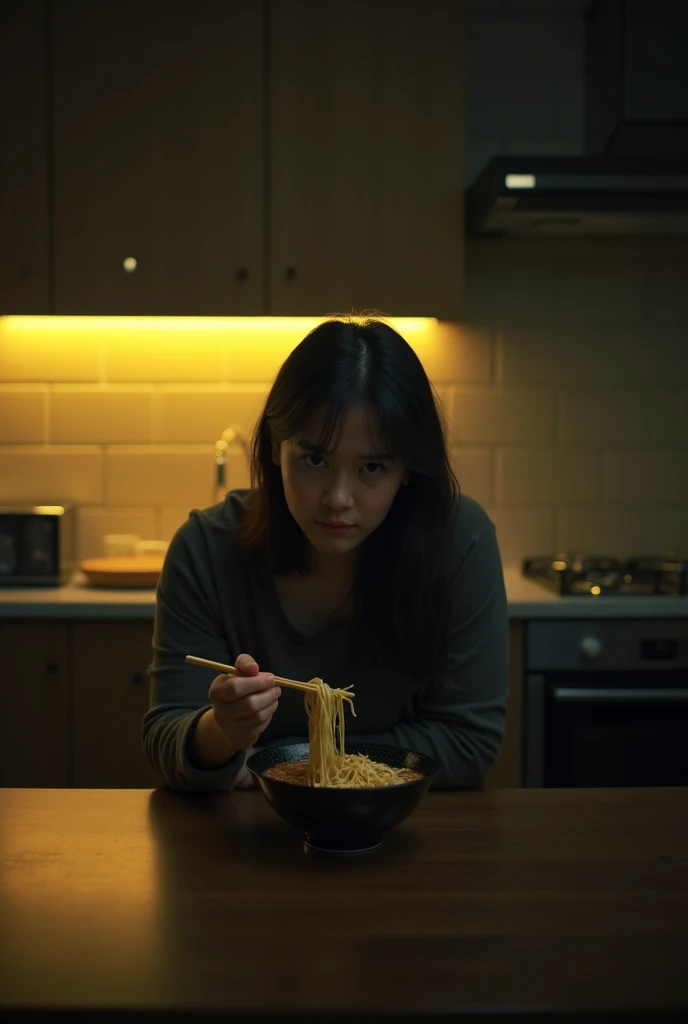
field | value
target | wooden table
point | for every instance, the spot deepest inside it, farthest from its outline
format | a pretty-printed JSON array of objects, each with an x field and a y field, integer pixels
[{"x": 486, "y": 903}]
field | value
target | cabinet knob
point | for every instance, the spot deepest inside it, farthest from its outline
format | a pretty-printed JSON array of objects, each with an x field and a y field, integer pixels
[
  {"x": 130, "y": 264},
  {"x": 138, "y": 678},
  {"x": 290, "y": 273},
  {"x": 590, "y": 648},
  {"x": 242, "y": 275},
  {"x": 52, "y": 668}
]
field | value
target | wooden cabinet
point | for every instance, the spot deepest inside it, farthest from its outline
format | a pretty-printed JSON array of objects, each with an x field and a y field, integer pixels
[
  {"x": 158, "y": 156},
  {"x": 110, "y": 698},
  {"x": 237, "y": 157},
  {"x": 366, "y": 138},
  {"x": 72, "y": 699},
  {"x": 73, "y": 695},
  {"x": 507, "y": 772},
  {"x": 34, "y": 703},
  {"x": 24, "y": 263}
]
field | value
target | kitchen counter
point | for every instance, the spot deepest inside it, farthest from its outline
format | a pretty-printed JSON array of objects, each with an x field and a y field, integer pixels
[
  {"x": 483, "y": 903},
  {"x": 77, "y": 599},
  {"x": 527, "y": 600}
]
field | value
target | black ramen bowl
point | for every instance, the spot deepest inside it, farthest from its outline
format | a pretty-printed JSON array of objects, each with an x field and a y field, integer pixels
[{"x": 343, "y": 820}]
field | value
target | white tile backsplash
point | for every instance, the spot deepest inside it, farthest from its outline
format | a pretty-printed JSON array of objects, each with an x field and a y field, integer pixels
[
  {"x": 547, "y": 477},
  {"x": 24, "y": 414},
  {"x": 504, "y": 416},
  {"x": 666, "y": 529},
  {"x": 596, "y": 417},
  {"x": 505, "y": 291},
  {"x": 522, "y": 532},
  {"x": 600, "y": 530},
  {"x": 652, "y": 477},
  {"x": 601, "y": 294},
  {"x": 645, "y": 355},
  {"x": 51, "y": 474},
  {"x": 551, "y": 356},
  {"x": 473, "y": 468}
]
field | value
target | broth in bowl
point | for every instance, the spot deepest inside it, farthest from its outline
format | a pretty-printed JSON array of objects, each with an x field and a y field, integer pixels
[{"x": 296, "y": 772}]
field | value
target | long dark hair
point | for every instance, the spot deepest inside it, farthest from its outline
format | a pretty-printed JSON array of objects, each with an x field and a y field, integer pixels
[{"x": 401, "y": 590}]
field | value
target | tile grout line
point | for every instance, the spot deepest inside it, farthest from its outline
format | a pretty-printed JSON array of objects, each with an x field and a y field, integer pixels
[
  {"x": 103, "y": 455},
  {"x": 47, "y": 413}
]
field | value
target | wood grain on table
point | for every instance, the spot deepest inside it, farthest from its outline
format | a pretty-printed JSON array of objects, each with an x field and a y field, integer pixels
[{"x": 497, "y": 901}]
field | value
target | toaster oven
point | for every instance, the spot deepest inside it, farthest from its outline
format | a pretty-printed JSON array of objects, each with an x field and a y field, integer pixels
[{"x": 37, "y": 544}]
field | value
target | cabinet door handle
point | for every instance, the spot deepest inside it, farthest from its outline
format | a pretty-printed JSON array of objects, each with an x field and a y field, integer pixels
[
  {"x": 290, "y": 273},
  {"x": 242, "y": 275},
  {"x": 138, "y": 678},
  {"x": 620, "y": 695},
  {"x": 52, "y": 668}
]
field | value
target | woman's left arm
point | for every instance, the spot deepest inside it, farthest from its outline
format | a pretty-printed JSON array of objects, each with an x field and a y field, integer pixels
[{"x": 461, "y": 724}]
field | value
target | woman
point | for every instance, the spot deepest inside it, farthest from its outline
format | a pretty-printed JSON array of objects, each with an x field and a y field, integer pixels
[{"x": 352, "y": 558}]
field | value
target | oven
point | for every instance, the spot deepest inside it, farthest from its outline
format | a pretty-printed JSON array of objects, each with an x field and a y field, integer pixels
[{"x": 606, "y": 703}]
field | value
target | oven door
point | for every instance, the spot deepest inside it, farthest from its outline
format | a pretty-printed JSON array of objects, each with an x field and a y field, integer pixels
[{"x": 607, "y": 729}]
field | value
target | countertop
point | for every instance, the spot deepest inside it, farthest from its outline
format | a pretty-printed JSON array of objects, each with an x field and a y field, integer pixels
[
  {"x": 527, "y": 600},
  {"x": 483, "y": 903}
]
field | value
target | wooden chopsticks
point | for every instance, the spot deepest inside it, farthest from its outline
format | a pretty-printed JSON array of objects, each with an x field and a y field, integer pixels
[{"x": 230, "y": 670}]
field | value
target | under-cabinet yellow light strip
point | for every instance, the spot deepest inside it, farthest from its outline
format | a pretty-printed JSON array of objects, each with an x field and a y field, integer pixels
[
  {"x": 119, "y": 350},
  {"x": 215, "y": 324}
]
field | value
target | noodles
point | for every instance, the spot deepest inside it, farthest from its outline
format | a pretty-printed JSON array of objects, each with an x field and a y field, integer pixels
[
  {"x": 296, "y": 771},
  {"x": 325, "y": 710},
  {"x": 328, "y": 764}
]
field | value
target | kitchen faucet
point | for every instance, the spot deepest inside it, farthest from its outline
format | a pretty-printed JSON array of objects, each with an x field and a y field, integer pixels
[{"x": 229, "y": 436}]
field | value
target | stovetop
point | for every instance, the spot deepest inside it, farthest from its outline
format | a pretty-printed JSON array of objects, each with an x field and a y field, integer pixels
[{"x": 595, "y": 575}]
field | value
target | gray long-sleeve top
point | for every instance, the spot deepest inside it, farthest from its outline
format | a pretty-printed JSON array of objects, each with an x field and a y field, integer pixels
[{"x": 216, "y": 599}]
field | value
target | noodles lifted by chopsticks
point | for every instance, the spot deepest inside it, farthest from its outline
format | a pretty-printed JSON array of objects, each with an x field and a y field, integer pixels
[{"x": 328, "y": 765}]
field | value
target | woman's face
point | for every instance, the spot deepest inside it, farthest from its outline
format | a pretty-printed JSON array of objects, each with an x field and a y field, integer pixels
[{"x": 350, "y": 485}]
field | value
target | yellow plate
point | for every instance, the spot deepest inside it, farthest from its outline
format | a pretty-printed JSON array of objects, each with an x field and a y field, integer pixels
[{"x": 123, "y": 570}]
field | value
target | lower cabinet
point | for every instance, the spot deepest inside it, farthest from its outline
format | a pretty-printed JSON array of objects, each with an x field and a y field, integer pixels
[
  {"x": 72, "y": 697},
  {"x": 507, "y": 771},
  {"x": 34, "y": 704},
  {"x": 110, "y": 697}
]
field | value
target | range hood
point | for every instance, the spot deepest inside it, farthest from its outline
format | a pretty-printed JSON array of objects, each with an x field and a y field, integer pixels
[
  {"x": 634, "y": 178},
  {"x": 578, "y": 196}
]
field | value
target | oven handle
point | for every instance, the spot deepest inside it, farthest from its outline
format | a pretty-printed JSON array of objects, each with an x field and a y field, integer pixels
[{"x": 568, "y": 695}]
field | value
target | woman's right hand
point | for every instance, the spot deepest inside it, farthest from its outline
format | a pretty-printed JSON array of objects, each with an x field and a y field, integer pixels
[{"x": 243, "y": 705}]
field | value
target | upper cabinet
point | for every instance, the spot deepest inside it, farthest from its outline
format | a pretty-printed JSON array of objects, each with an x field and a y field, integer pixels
[
  {"x": 158, "y": 156},
  {"x": 24, "y": 219},
  {"x": 365, "y": 158},
  {"x": 238, "y": 157}
]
